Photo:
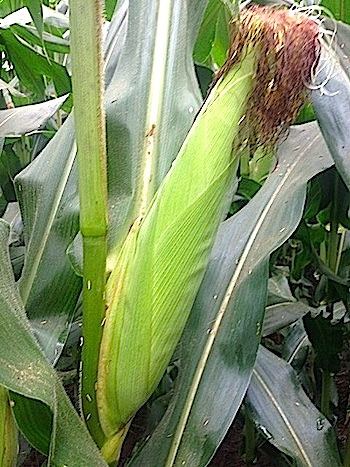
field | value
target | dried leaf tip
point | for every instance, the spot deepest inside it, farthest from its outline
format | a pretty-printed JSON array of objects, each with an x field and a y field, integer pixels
[{"x": 287, "y": 48}]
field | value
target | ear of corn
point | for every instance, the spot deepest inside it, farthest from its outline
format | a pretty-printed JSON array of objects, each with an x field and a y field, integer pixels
[{"x": 150, "y": 293}]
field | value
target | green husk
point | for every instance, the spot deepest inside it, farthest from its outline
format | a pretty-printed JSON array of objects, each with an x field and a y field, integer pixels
[{"x": 162, "y": 262}]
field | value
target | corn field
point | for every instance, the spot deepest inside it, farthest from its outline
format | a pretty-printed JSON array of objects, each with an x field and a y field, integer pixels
[{"x": 174, "y": 233}]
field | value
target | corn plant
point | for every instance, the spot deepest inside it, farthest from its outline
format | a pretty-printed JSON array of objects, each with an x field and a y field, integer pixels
[{"x": 168, "y": 223}]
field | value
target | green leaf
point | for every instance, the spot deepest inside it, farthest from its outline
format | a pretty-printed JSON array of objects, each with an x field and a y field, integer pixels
[
  {"x": 50, "y": 41},
  {"x": 333, "y": 108},
  {"x": 31, "y": 67},
  {"x": 296, "y": 345},
  {"x": 282, "y": 314},
  {"x": 339, "y": 8},
  {"x": 109, "y": 8},
  {"x": 219, "y": 345},
  {"x": 8, "y": 432},
  {"x": 279, "y": 290},
  {"x": 24, "y": 370},
  {"x": 286, "y": 417},
  {"x": 213, "y": 38},
  {"x": 327, "y": 341},
  {"x": 28, "y": 118},
  {"x": 48, "y": 198},
  {"x": 36, "y": 12},
  {"x": 9, "y": 6}
]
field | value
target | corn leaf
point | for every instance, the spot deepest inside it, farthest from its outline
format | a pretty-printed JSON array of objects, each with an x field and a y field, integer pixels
[
  {"x": 339, "y": 8},
  {"x": 28, "y": 118},
  {"x": 286, "y": 417},
  {"x": 215, "y": 361},
  {"x": 48, "y": 198},
  {"x": 213, "y": 38},
  {"x": 110, "y": 7},
  {"x": 36, "y": 12},
  {"x": 280, "y": 315},
  {"x": 31, "y": 66},
  {"x": 333, "y": 107},
  {"x": 25, "y": 370},
  {"x": 157, "y": 59}
]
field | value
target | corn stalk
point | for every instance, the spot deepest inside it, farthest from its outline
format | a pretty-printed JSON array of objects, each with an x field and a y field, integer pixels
[
  {"x": 8, "y": 432},
  {"x": 87, "y": 67}
]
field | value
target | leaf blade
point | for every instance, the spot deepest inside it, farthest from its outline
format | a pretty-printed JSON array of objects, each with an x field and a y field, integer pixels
[{"x": 284, "y": 413}]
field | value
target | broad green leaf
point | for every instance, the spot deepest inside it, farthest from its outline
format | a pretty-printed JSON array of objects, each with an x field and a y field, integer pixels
[
  {"x": 8, "y": 432},
  {"x": 333, "y": 106},
  {"x": 279, "y": 290},
  {"x": 25, "y": 119},
  {"x": 327, "y": 341},
  {"x": 9, "y": 6},
  {"x": 296, "y": 345},
  {"x": 219, "y": 345},
  {"x": 24, "y": 370},
  {"x": 286, "y": 417},
  {"x": 48, "y": 198}
]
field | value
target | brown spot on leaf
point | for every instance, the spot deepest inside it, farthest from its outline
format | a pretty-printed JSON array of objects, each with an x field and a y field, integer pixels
[{"x": 151, "y": 131}]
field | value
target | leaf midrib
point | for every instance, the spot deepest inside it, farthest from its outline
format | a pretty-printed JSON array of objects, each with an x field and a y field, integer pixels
[{"x": 289, "y": 427}]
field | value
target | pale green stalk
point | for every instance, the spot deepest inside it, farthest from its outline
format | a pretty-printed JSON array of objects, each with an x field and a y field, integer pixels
[
  {"x": 162, "y": 262},
  {"x": 8, "y": 432},
  {"x": 87, "y": 67}
]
